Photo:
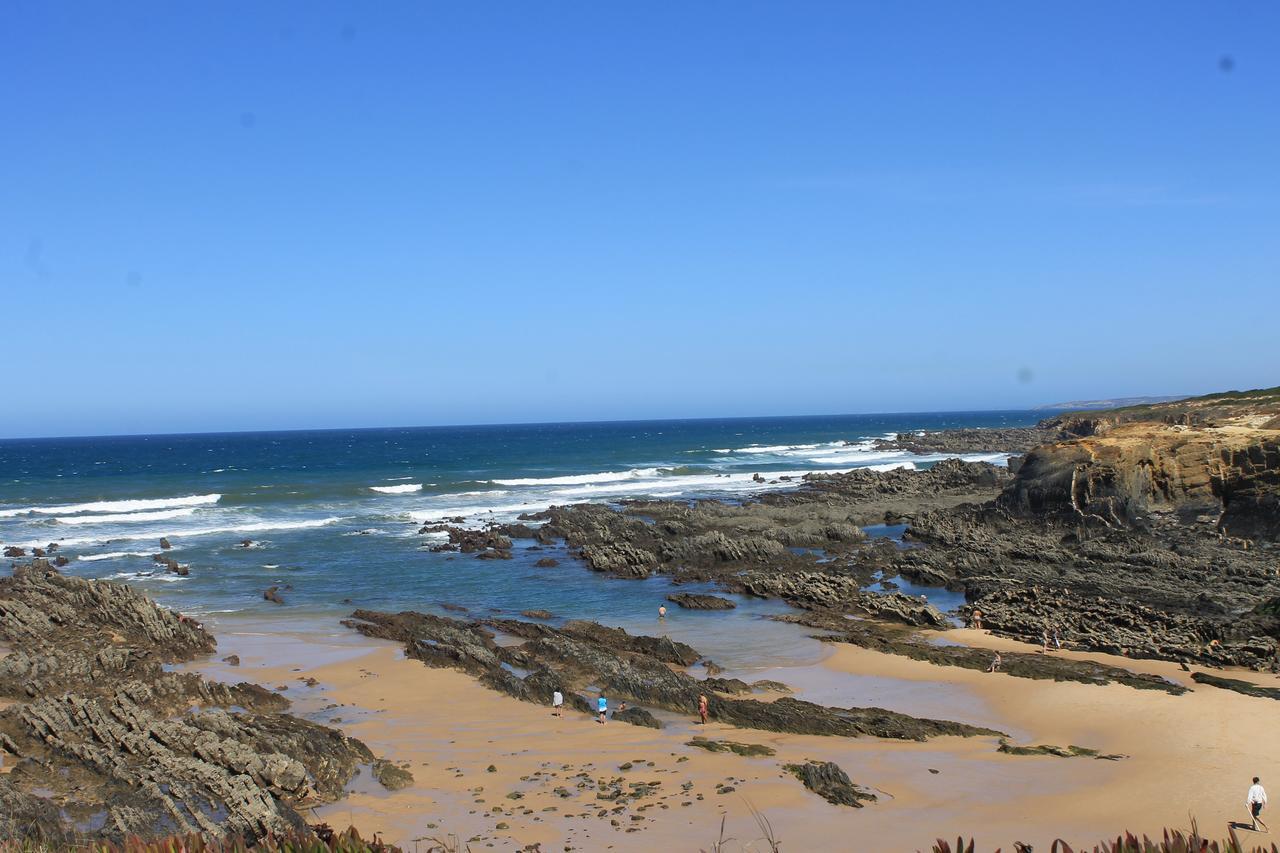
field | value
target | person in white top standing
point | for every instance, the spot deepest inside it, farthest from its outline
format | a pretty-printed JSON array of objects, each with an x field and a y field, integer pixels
[
  {"x": 1256, "y": 801},
  {"x": 557, "y": 702}
]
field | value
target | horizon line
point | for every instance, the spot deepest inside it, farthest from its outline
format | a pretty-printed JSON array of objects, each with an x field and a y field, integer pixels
[{"x": 489, "y": 424}]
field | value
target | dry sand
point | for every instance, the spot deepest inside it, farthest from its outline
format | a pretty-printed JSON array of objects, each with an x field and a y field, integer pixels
[{"x": 1189, "y": 754}]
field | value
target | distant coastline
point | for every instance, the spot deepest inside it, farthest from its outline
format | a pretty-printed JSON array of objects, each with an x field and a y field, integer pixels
[{"x": 1113, "y": 403}]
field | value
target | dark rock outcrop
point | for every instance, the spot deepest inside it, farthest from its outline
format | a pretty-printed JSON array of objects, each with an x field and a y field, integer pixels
[
  {"x": 1008, "y": 440},
  {"x": 841, "y": 592},
  {"x": 827, "y": 780},
  {"x": 745, "y": 749},
  {"x": 1248, "y": 688},
  {"x": 694, "y": 601},
  {"x": 1058, "y": 751},
  {"x": 899, "y": 641},
  {"x": 391, "y": 776},
  {"x": 638, "y": 717},
  {"x": 1118, "y": 479},
  {"x": 101, "y": 728},
  {"x": 631, "y": 668}
]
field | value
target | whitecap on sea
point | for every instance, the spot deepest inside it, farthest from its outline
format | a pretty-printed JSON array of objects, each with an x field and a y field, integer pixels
[
  {"x": 404, "y": 489},
  {"x": 129, "y": 506}
]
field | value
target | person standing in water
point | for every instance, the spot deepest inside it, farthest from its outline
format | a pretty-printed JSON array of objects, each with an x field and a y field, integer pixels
[
  {"x": 1256, "y": 801},
  {"x": 602, "y": 706},
  {"x": 557, "y": 702},
  {"x": 662, "y": 611},
  {"x": 702, "y": 708}
]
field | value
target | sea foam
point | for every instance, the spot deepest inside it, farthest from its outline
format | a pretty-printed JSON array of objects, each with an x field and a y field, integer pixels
[
  {"x": 579, "y": 479},
  {"x": 114, "y": 518},
  {"x": 398, "y": 490},
  {"x": 113, "y": 506},
  {"x": 187, "y": 533}
]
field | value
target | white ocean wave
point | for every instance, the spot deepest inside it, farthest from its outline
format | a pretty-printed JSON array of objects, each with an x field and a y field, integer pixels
[
  {"x": 773, "y": 448},
  {"x": 113, "y": 555},
  {"x": 188, "y": 533},
  {"x": 113, "y": 506},
  {"x": 398, "y": 490},
  {"x": 166, "y": 577},
  {"x": 576, "y": 479},
  {"x": 893, "y": 466},
  {"x": 127, "y": 517}
]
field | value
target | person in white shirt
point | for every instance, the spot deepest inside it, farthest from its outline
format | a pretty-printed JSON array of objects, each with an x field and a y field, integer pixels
[
  {"x": 557, "y": 702},
  {"x": 1256, "y": 801}
]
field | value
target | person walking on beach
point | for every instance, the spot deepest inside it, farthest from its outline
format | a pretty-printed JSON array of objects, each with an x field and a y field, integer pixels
[
  {"x": 702, "y": 708},
  {"x": 602, "y": 706},
  {"x": 975, "y": 620},
  {"x": 1057, "y": 640},
  {"x": 1256, "y": 801},
  {"x": 557, "y": 702},
  {"x": 1044, "y": 641}
]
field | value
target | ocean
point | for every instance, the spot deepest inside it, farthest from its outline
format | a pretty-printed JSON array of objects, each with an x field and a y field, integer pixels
[{"x": 333, "y": 515}]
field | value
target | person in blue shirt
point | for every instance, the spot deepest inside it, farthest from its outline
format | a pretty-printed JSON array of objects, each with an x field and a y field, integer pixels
[{"x": 602, "y": 705}]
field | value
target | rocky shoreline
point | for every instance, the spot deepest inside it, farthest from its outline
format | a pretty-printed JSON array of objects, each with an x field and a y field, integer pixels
[
  {"x": 105, "y": 742},
  {"x": 1146, "y": 532}
]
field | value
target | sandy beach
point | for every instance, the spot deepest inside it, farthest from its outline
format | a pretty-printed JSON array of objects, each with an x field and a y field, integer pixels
[{"x": 497, "y": 772}]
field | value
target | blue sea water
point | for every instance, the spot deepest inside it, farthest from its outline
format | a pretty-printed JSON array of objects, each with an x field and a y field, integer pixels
[{"x": 333, "y": 515}]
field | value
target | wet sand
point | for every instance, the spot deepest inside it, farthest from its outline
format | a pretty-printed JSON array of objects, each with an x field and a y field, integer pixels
[{"x": 553, "y": 779}]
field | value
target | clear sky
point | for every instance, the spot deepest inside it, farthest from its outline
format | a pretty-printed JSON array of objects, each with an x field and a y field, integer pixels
[{"x": 276, "y": 215}]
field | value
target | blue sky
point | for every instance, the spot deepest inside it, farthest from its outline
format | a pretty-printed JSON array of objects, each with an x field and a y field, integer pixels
[{"x": 224, "y": 216}]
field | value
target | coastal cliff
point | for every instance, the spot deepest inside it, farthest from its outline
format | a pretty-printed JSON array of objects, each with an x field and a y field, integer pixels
[{"x": 1212, "y": 460}]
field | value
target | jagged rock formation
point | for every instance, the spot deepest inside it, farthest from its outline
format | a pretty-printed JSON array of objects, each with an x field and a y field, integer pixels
[
  {"x": 843, "y": 593},
  {"x": 1071, "y": 751},
  {"x": 1216, "y": 456},
  {"x": 900, "y": 640},
  {"x": 694, "y": 601},
  {"x": 1121, "y": 477},
  {"x": 1172, "y": 594},
  {"x": 1248, "y": 688},
  {"x": 1009, "y": 440},
  {"x": 744, "y": 749},
  {"x": 827, "y": 780},
  {"x": 105, "y": 738}
]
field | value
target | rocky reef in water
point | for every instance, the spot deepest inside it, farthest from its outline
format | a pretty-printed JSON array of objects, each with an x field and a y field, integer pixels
[{"x": 106, "y": 743}]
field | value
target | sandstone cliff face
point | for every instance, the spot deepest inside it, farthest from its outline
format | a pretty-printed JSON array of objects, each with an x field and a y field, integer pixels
[{"x": 1119, "y": 476}]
